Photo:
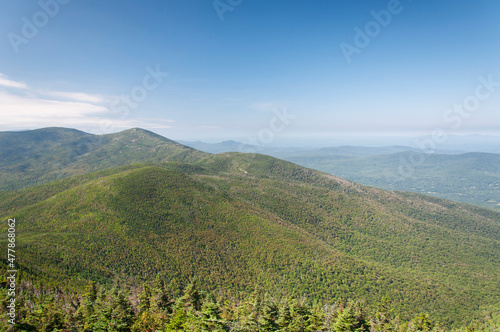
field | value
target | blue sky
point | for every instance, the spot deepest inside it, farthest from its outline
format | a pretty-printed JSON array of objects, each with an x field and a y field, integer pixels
[{"x": 270, "y": 71}]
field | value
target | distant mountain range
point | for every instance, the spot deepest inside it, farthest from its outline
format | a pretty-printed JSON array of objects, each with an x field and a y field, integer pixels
[
  {"x": 343, "y": 151},
  {"x": 134, "y": 205}
]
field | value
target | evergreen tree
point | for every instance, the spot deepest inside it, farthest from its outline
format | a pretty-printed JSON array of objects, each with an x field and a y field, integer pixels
[
  {"x": 145, "y": 298},
  {"x": 269, "y": 316},
  {"x": 50, "y": 316},
  {"x": 285, "y": 314},
  {"x": 115, "y": 313},
  {"x": 178, "y": 321},
  {"x": 249, "y": 311},
  {"x": 162, "y": 300},
  {"x": 382, "y": 319},
  {"x": 420, "y": 323},
  {"x": 146, "y": 319},
  {"x": 192, "y": 297},
  {"x": 211, "y": 319},
  {"x": 296, "y": 316},
  {"x": 351, "y": 318},
  {"x": 87, "y": 313},
  {"x": 45, "y": 308}
]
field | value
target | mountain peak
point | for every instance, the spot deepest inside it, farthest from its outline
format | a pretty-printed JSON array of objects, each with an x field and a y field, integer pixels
[{"x": 61, "y": 152}]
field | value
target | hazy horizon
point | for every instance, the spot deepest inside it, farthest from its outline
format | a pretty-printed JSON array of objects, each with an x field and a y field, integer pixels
[
  {"x": 270, "y": 72},
  {"x": 426, "y": 143}
]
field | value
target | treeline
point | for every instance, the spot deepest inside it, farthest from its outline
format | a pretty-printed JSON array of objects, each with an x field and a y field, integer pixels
[{"x": 159, "y": 307}]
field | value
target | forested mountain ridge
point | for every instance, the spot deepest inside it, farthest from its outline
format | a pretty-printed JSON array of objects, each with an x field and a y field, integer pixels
[
  {"x": 39, "y": 156},
  {"x": 236, "y": 221},
  {"x": 469, "y": 177}
]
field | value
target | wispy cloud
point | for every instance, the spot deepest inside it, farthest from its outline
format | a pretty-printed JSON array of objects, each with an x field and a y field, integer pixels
[
  {"x": 21, "y": 111},
  {"x": 4, "y": 81},
  {"x": 80, "y": 96},
  {"x": 31, "y": 108}
]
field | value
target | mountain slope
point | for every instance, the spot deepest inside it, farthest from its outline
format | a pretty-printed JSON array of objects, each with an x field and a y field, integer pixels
[
  {"x": 235, "y": 220},
  {"x": 471, "y": 177},
  {"x": 43, "y": 155}
]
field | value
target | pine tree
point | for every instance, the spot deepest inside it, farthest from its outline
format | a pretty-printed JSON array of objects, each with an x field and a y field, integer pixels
[
  {"x": 178, "y": 321},
  {"x": 115, "y": 313},
  {"x": 249, "y": 311},
  {"x": 285, "y": 315},
  {"x": 191, "y": 297},
  {"x": 269, "y": 316},
  {"x": 145, "y": 298},
  {"x": 86, "y": 313},
  {"x": 296, "y": 316},
  {"x": 162, "y": 300},
  {"x": 51, "y": 318},
  {"x": 382, "y": 319},
  {"x": 421, "y": 323},
  {"x": 351, "y": 318},
  {"x": 211, "y": 319},
  {"x": 145, "y": 320}
]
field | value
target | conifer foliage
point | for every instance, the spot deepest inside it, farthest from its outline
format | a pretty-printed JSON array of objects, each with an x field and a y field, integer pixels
[{"x": 153, "y": 307}]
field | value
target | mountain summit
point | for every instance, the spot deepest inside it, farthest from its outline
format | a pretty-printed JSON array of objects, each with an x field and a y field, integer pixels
[{"x": 39, "y": 156}]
